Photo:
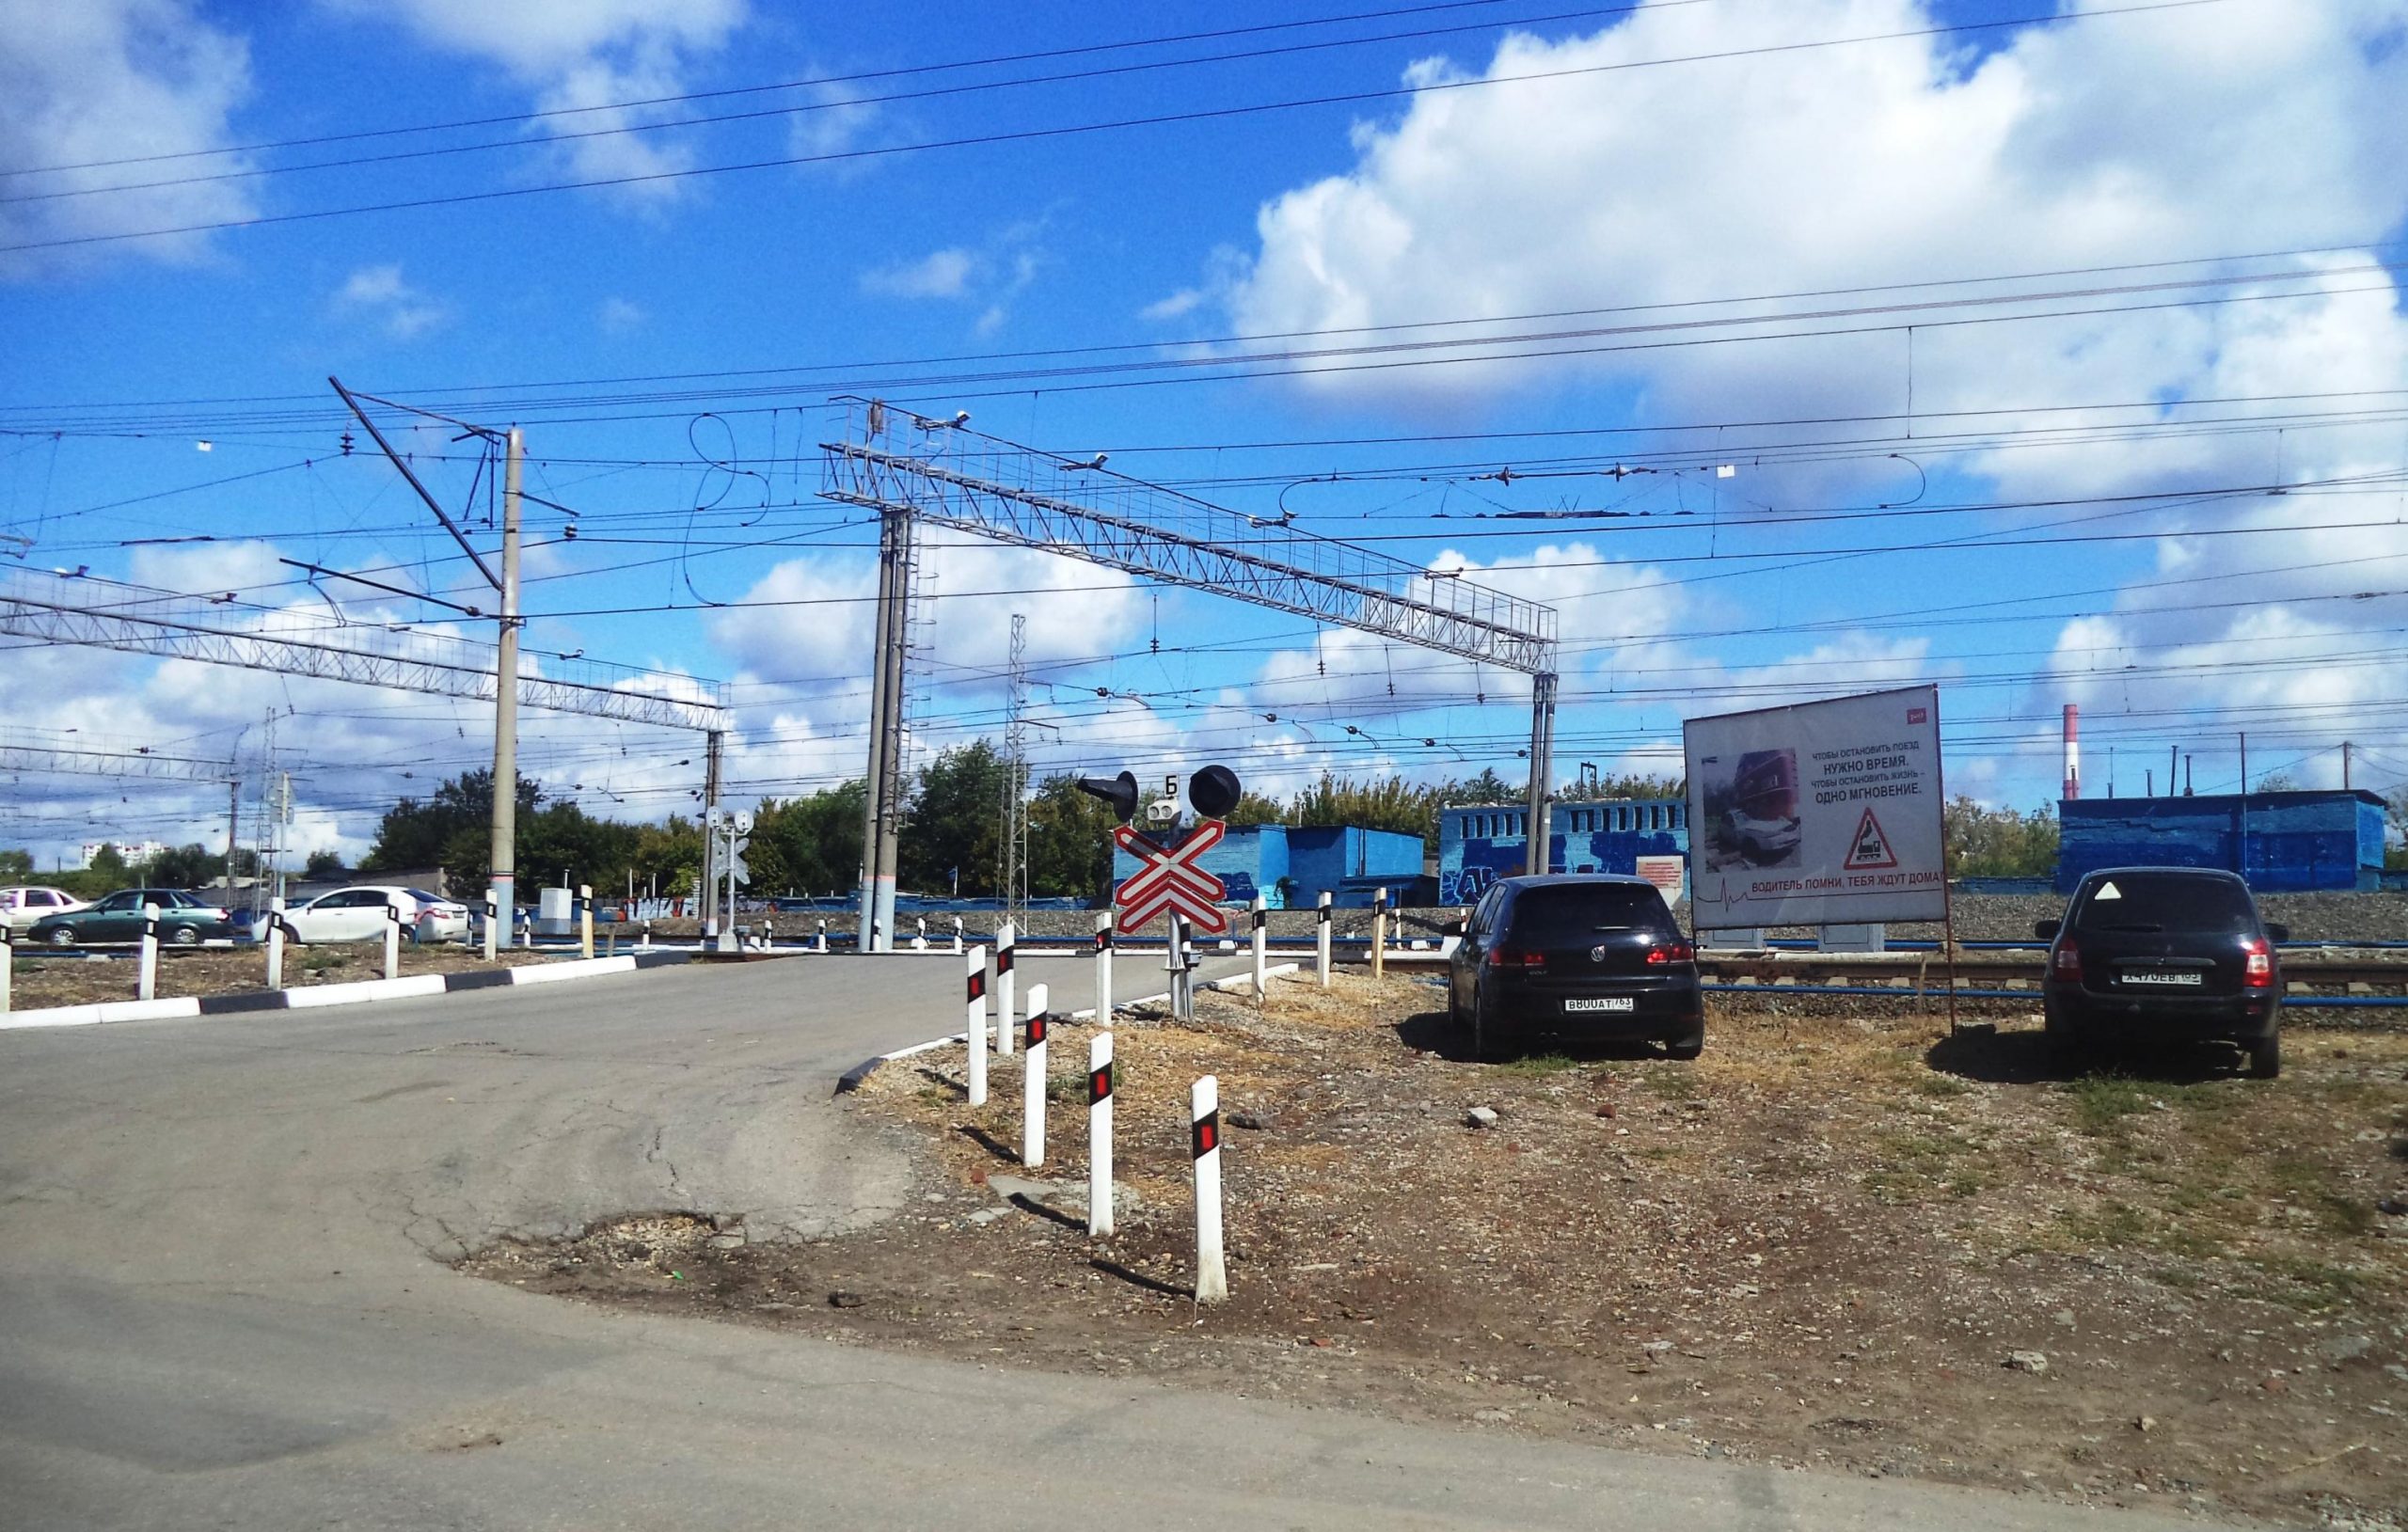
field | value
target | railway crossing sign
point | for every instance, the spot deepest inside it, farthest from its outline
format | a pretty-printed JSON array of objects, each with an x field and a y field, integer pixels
[{"x": 1169, "y": 882}]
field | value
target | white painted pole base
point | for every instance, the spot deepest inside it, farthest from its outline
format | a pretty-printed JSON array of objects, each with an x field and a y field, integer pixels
[
  {"x": 1320, "y": 939},
  {"x": 1006, "y": 941},
  {"x": 1100, "y": 1136},
  {"x": 975, "y": 1015},
  {"x": 146, "y": 984},
  {"x": 1212, "y": 1267},
  {"x": 1032, "y": 1082}
]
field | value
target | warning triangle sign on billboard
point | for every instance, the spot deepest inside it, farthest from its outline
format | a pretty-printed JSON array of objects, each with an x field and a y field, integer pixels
[{"x": 1870, "y": 849}]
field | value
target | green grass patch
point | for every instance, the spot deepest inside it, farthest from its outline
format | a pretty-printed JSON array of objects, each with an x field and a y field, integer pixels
[
  {"x": 2102, "y": 1102},
  {"x": 1679, "y": 1084},
  {"x": 1933, "y": 1083}
]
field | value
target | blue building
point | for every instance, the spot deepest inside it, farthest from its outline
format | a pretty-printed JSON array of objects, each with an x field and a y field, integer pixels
[
  {"x": 2281, "y": 843},
  {"x": 1290, "y": 865},
  {"x": 1477, "y": 846}
]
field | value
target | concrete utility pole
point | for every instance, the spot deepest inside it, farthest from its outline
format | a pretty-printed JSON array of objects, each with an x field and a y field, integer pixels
[
  {"x": 714, "y": 757},
  {"x": 2345, "y": 766},
  {"x": 505, "y": 705},
  {"x": 882, "y": 808},
  {"x": 234, "y": 829},
  {"x": 1542, "y": 769}
]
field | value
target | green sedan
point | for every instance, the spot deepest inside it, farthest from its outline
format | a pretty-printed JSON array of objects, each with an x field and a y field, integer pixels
[{"x": 184, "y": 921}]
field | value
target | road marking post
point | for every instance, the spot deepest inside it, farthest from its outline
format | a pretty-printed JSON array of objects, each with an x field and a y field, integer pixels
[
  {"x": 1261, "y": 951},
  {"x": 585, "y": 920},
  {"x": 1212, "y": 1270},
  {"x": 392, "y": 938},
  {"x": 957, "y": 933},
  {"x": 823, "y": 935},
  {"x": 920, "y": 942},
  {"x": 646, "y": 942},
  {"x": 974, "y": 992},
  {"x": 1005, "y": 936},
  {"x": 1103, "y": 969},
  {"x": 276, "y": 929},
  {"x": 146, "y": 984},
  {"x": 7, "y": 963},
  {"x": 769, "y": 933},
  {"x": 493, "y": 913},
  {"x": 1320, "y": 939},
  {"x": 1100, "y": 1136},
  {"x": 1379, "y": 933},
  {"x": 1032, "y": 1082}
]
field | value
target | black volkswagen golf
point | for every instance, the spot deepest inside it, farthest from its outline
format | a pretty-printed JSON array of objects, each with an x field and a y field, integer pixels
[
  {"x": 1581, "y": 955},
  {"x": 2147, "y": 953}
]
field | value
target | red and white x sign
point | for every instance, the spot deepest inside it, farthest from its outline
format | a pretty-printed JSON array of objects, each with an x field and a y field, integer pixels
[{"x": 1170, "y": 882}]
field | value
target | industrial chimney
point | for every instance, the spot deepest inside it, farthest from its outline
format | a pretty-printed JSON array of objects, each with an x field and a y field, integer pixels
[{"x": 2073, "y": 752}]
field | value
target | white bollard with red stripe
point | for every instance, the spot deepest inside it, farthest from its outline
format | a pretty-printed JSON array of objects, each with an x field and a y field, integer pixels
[
  {"x": 1212, "y": 1269},
  {"x": 1032, "y": 1086},
  {"x": 493, "y": 915},
  {"x": 392, "y": 938},
  {"x": 975, "y": 1013},
  {"x": 146, "y": 984},
  {"x": 1261, "y": 944},
  {"x": 1005, "y": 936},
  {"x": 1103, "y": 969},
  {"x": 1320, "y": 939},
  {"x": 1100, "y": 1136}
]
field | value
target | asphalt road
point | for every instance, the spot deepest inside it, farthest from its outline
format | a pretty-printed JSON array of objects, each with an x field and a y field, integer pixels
[{"x": 221, "y": 1303}]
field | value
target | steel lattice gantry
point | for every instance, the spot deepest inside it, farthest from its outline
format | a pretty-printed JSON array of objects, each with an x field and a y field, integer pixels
[
  {"x": 936, "y": 471},
  {"x": 173, "y": 627},
  {"x": 133, "y": 765}
]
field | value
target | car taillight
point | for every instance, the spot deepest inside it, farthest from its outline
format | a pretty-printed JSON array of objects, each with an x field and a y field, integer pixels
[
  {"x": 1527, "y": 962},
  {"x": 2258, "y": 963},
  {"x": 1672, "y": 952},
  {"x": 2068, "y": 963}
]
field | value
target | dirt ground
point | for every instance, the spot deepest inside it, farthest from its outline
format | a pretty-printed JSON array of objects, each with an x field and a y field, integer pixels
[
  {"x": 1846, "y": 1241},
  {"x": 42, "y": 980}
]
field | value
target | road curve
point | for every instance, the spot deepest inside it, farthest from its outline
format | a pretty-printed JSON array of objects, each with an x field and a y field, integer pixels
[{"x": 222, "y": 1301}]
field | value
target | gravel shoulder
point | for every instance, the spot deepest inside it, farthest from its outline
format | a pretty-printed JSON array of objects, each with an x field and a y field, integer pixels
[{"x": 1841, "y": 1240}]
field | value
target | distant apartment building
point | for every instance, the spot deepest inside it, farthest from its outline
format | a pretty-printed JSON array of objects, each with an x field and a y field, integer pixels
[{"x": 129, "y": 852}]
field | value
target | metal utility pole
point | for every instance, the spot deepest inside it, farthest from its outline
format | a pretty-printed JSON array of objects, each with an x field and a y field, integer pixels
[
  {"x": 505, "y": 707},
  {"x": 233, "y": 831},
  {"x": 714, "y": 753},
  {"x": 1542, "y": 769}
]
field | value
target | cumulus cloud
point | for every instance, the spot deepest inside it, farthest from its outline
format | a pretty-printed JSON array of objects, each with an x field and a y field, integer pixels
[
  {"x": 617, "y": 316},
  {"x": 581, "y": 58},
  {"x": 940, "y": 274},
  {"x": 104, "y": 80},
  {"x": 991, "y": 274},
  {"x": 380, "y": 294}
]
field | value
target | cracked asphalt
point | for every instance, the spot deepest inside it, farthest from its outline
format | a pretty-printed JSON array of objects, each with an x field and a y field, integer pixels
[{"x": 223, "y": 1301}]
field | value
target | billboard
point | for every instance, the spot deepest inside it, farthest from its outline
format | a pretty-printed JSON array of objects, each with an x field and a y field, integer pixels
[{"x": 1822, "y": 814}]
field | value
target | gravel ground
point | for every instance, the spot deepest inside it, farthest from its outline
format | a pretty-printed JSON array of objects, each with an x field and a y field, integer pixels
[{"x": 1841, "y": 1239}]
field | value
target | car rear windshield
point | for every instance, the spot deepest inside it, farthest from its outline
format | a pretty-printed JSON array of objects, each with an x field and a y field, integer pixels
[
  {"x": 424, "y": 897},
  {"x": 2166, "y": 902},
  {"x": 1574, "y": 913}
]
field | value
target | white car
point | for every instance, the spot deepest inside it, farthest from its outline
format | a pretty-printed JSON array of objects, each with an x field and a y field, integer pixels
[
  {"x": 358, "y": 914},
  {"x": 19, "y": 907}
]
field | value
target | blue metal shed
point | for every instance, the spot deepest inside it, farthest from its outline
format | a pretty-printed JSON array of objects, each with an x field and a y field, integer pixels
[{"x": 2281, "y": 843}]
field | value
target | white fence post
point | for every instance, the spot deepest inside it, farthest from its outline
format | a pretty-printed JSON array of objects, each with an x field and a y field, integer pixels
[
  {"x": 392, "y": 938},
  {"x": 1212, "y": 1270},
  {"x": 1262, "y": 940},
  {"x": 585, "y": 920},
  {"x": 1032, "y": 1082},
  {"x": 493, "y": 913},
  {"x": 1005, "y": 936},
  {"x": 1103, "y": 969},
  {"x": 275, "y": 943},
  {"x": 145, "y": 982},
  {"x": 1100, "y": 1136},
  {"x": 976, "y": 1014},
  {"x": 1320, "y": 939},
  {"x": 1379, "y": 933}
]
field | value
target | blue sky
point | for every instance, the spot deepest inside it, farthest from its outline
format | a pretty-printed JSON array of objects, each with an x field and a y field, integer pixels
[{"x": 1752, "y": 239}]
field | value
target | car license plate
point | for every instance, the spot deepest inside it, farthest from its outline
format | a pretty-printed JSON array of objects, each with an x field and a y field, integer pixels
[
  {"x": 2178, "y": 979},
  {"x": 1603, "y": 1002}
]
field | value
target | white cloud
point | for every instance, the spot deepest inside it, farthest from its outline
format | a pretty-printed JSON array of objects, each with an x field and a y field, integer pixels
[
  {"x": 940, "y": 274},
  {"x": 102, "y": 80},
  {"x": 380, "y": 292},
  {"x": 578, "y": 57},
  {"x": 617, "y": 316}
]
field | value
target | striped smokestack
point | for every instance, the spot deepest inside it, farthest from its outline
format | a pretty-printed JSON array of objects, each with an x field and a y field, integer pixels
[{"x": 2073, "y": 752}]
